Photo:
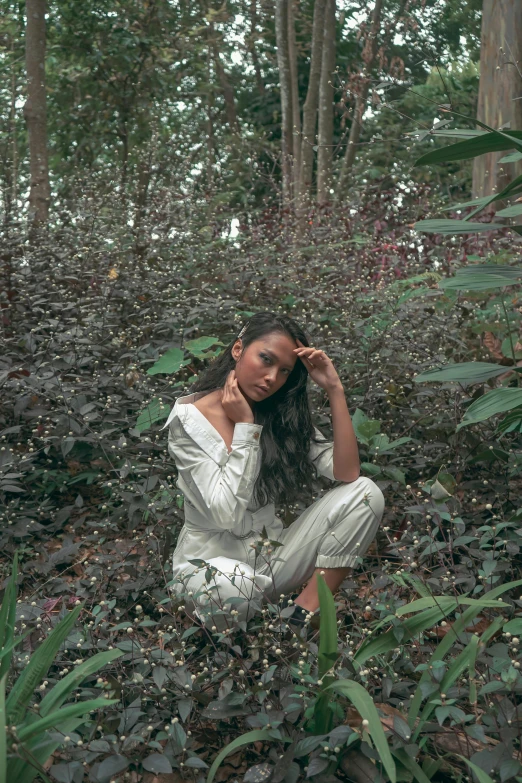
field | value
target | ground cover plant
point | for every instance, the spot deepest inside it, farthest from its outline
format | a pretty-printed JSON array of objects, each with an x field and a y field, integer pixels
[{"x": 415, "y": 675}]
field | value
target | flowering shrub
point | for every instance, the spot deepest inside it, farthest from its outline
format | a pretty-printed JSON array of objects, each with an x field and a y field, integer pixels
[{"x": 99, "y": 341}]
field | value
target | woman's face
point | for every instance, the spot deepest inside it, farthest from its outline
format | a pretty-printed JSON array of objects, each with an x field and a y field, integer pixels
[{"x": 266, "y": 362}]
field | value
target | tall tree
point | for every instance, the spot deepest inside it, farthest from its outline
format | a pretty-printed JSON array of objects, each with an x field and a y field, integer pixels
[
  {"x": 283, "y": 63},
  {"x": 310, "y": 107},
  {"x": 326, "y": 117},
  {"x": 35, "y": 111},
  {"x": 500, "y": 90},
  {"x": 294, "y": 97},
  {"x": 361, "y": 99}
]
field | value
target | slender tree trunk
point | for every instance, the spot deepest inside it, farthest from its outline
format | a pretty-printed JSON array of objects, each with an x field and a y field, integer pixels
[
  {"x": 310, "y": 109},
  {"x": 35, "y": 112},
  {"x": 294, "y": 97},
  {"x": 369, "y": 54},
  {"x": 281, "y": 25},
  {"x": 14, "y": 138},
  {"x": 326, "y": 117},
  {"x": 251, "y": 43},
  {"x": 210, "y": 126},
  {"x": 500, "y": 90}
]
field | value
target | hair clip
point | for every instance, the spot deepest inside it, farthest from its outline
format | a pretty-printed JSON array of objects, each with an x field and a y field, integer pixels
[{"x": 243, "y": 330}]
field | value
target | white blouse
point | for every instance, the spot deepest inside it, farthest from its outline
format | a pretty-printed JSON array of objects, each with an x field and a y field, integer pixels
[{"x": 217, "y": 486}]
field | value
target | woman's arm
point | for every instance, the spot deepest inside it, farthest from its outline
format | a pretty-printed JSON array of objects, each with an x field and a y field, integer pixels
[{"x": 346, "y": 464}]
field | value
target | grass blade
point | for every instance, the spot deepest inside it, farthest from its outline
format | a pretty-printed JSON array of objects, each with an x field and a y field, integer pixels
[
  {"x": 328, "y": 641},
  {"x": 57, "y": 695},
  {"x": 58, "y": 716},
  {"x": 244, "y": 739},
  {"x": 3, "y": 744},
  {"x": 7, "y": 618},
  {"x": 363, "y": 703},
  {"x": 39, "y": 664},
  {"x": 327, "y": 655},
  {"x": 411, "y": 765},
  {"x": 412, "y": 627},
  {"x": 449, "y": 640}
]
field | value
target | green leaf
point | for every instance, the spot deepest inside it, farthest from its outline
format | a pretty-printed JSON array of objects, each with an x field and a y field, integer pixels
[
  {"x": 494, "y": 402},
  {"x": 57, "y": 717},
  {"x": 39, "y": 750},
  {"x": 157, "y": 763},
  {"x": 169, "y": 363},
  {"x": 155, "y": 411},
  {"x": 447, "y": 226},
  {"x": 513, "y": 211},
  {"x": 251, "y": 736},
  {"x": 328, "y": 654},
  {"x": 3, "y": 736},
  {"x": 443, "y": 602},
  {"x": 489, "y": 269},
  {"x": 471, "y": 148},
  {"x": 411, "y": 627},
  {"x": 57, "y": 695},
  {"x": 363, "y": 703},
  {"x": 476, "y": 202},
  {"x": 201, "y": 344},
  {"x": 513, "y": 627},
  {"x": 464, "y": 372},
  {"x": 8, "y": 618},
  {"x": 510, "y": 190},
  {"x": 411, "y": 765},
  {"x": 512, "y": 158},
  {"x": 40, "y": 661},
  {"x": 479, "y": 282},
  {"x": 482, "y": 776},
  {"x": 463, "y": 622}
]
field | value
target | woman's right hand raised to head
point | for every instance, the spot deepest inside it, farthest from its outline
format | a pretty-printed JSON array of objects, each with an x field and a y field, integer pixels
[{"x": 234, "y": 403}]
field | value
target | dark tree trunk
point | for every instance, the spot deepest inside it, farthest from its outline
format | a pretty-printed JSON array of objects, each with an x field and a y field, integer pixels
[
  {"x": 310, "y": 109},
  {"x": 35, "y": 112},
  {"x": 500, "y": 91},
  {"x": 326, "y": 116},
  {"x": 294, "y": 98},
  {"x": 251, "y": 43},
  {"x": 281, "y": 25}
]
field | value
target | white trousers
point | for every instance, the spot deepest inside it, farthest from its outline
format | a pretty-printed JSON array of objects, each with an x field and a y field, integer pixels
[{"x": 333, "y": 532}]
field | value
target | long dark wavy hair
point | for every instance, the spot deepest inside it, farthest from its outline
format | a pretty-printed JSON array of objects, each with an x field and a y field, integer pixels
[{"x": 286, "y": 470}]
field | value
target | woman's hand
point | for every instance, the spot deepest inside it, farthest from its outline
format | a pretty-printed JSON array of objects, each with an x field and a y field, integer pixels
[
  {"x": 319, "y": 366},
  {"x": 234, "y": 403}
]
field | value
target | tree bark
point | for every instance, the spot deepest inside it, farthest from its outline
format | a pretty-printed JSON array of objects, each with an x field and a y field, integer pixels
[
  {"x": 310, "y": 109},
  {"x": 281, "y": 25},
  {"x": 500, "y": 90},
  {"x": 369, "y": 54},
  {"x": 35, "y": 112},
  {"x": 294, "y": 97},
  {"x": 251, "y": 44},
  {"x": 326, "y": 117}
]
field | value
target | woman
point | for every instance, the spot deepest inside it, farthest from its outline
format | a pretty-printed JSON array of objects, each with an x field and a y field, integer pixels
[{"x": 244, "y": 440}]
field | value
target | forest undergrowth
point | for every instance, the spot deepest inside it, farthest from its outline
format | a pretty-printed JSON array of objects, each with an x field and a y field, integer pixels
[{"x": 101, "y": 334}]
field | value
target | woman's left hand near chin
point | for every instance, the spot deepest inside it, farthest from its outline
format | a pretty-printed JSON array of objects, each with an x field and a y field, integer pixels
[{"x": 319, "y": 365}]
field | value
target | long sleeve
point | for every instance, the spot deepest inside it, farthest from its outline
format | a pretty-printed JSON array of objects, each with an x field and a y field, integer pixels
[{"x": 220, "y": 488}]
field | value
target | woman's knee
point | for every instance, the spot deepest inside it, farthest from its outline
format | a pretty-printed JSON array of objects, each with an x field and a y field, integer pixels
[
  {"x": 360, "y": 494},
  {"x": 373, "y": 494}
]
